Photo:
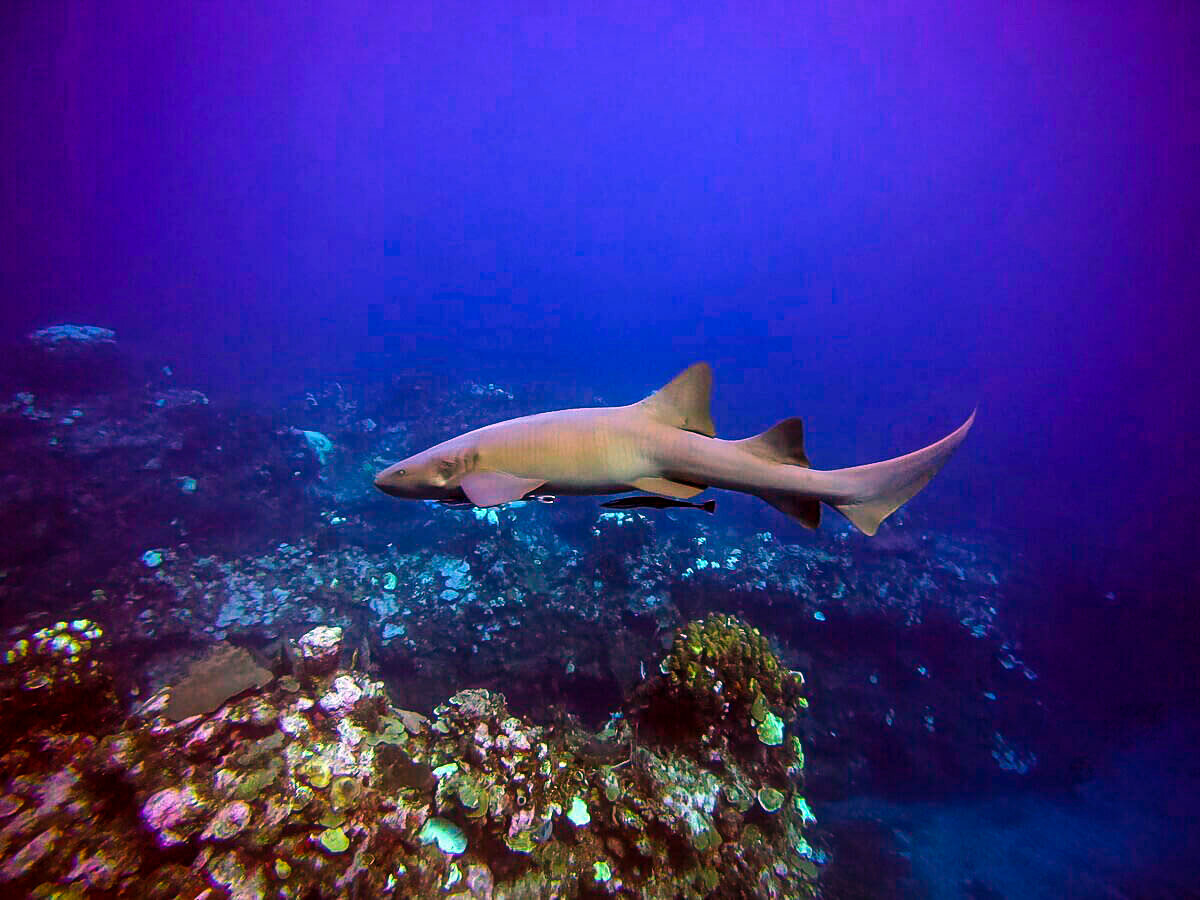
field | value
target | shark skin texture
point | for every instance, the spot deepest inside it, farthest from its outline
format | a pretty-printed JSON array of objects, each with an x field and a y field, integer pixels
[{"x": 664, "y": 445}]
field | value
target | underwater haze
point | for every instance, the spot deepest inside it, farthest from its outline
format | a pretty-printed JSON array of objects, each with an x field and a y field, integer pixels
[{"x": 253, "y": 254}]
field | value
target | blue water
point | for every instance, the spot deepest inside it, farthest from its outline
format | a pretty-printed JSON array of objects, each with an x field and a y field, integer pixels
[
  {"x": 1124, "y": 833},
  {"x": 873, "y": 218}
]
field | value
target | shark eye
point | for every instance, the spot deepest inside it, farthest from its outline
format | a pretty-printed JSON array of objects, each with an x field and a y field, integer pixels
[{"x": 402, "y": 472}]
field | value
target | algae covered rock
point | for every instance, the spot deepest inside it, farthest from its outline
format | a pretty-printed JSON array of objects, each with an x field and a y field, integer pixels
[{"x": 224, "y": 672}]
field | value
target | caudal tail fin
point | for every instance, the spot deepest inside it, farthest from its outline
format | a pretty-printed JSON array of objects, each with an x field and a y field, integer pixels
[{"x": 879, "y": 489}]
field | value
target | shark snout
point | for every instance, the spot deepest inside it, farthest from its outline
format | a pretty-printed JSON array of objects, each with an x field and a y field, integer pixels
[
  {"x": 388, "y": 487},
  {"x": 392, "y": 481}
]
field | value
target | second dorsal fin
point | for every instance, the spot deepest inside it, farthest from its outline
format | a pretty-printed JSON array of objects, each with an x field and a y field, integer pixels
[
  {"x": 781, "y": 443},
  {"x": 685, "y": 401}
]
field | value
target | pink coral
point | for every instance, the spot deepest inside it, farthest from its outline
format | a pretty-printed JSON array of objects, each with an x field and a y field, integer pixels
[
  {"x": 229, "y": 822},
  {"x": 172, "y": 815},
  {"x": 320, "y": 649},
  {"x": 522, "y": 820},
  {"x": 340, "y": 699}
]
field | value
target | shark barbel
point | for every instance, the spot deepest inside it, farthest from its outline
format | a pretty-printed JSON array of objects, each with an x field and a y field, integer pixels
[{"x": 664, "y": 445}]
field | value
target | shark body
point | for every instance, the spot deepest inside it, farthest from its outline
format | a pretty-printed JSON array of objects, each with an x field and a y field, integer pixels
[{"x": 666, "y": 445}]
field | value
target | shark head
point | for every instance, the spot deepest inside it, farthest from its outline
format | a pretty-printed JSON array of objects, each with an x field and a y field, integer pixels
[{"x": 433, "y": 474}]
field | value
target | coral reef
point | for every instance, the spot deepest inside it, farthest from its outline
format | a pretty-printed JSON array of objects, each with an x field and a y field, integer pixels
[
  {"x": 722, "y": 670},
  {"x": 317, "y": 785},
  {"x": 55, "y": 678}
]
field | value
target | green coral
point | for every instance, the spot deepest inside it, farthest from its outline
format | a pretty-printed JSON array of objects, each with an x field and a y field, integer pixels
[
  {"x": 255, "y": 781},
  {"x": 720, "y": 663},
  {"x": 449, "y": 837},
  {"x": 344, "y": 792},
  {"x": 391, "y": 731},
  {"x": 316, "y": 772},
  {"x": 737, "y": 796},
  {"x": 578, "y": 812},
  {"x": 332, "y": 819},
  {"x": 798, "y": 753},
  {"x": 334, "y": 840},
  {"x": 759, "y": 709},
  {"x": 521, "y": 842},
  {"x": 471, "y": 796},
  {"x": 770, "y": 730},
  {"x": 806, "y": 815},
  {"x": 611, "y": 785},
  {"x": 770, "y": 799}
]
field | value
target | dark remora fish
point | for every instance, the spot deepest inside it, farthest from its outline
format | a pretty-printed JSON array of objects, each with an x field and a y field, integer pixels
[{"x": 708, "y": 506}]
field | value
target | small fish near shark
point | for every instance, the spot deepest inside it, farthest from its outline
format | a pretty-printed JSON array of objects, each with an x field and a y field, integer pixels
[
  {"x": 651, "y": 502},
  {"x": 467, "y": 504},
  {"x": 665, "y": 446}
]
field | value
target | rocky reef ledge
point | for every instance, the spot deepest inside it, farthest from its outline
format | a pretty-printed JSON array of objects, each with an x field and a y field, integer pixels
[{"x": 307, "y": 780}]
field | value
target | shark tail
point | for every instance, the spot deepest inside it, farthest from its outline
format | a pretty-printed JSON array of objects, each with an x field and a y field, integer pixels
[{"x": 879, "y": 489}]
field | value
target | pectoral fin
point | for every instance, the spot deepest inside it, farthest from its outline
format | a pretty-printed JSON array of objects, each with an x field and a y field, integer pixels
[
  {"x": 668, "y": 488},
  {"x": 495, "y": 488}
]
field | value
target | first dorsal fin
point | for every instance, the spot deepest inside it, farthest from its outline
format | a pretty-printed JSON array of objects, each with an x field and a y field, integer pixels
[
  {"x": 783, "y": 442},
  {"x": 684, "y": 402}
]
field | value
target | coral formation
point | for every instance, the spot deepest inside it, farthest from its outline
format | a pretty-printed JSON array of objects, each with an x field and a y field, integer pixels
[
  {"x": 320, "y": 445},
  {"x": 56, "y": 675},
  {"x": 64, "y": 338},
  {"x": 319, "y": 649},
  {"x": 285, "y": 791},
  {"x": 720, "y": 668}
]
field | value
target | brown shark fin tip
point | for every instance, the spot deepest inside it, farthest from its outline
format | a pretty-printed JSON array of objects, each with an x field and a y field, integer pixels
[
  {"x": 685, "y": 402},
  {"x": 783, "y": 442},
  {"x": 806, "y": 512}
]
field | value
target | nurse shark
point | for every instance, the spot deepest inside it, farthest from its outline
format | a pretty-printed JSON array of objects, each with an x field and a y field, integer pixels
[{"x": 666, "y": 446}]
